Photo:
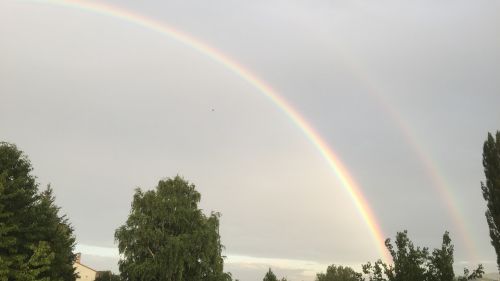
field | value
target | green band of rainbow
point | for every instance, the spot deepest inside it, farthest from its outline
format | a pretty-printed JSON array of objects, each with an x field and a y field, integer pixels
[{"x": 328, "y": 154}]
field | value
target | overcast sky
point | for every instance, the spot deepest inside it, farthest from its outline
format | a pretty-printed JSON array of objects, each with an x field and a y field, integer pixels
[{"x": 398, "y": 89}]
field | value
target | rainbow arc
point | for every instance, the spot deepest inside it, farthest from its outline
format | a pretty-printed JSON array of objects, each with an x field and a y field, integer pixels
[{"x": 331, "y": 158}]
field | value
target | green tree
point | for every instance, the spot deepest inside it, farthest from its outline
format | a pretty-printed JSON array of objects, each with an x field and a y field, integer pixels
[
  {"x": 17, "y": 198},
  {"x": 107, "y": 276},
  {"x": 409, "y": 261},
  {"x": 167, "y": 237},
  {"x": 32, "y": 246},
  {"x": 377, "y": 271},
  {"x": 417, "y": 264},
  {"x": 491, "y": 189},
  {"x": 56, "y": 230},
  {"x": 441, "y": 261},
  {"x": 339, "y": 273},
  {"x": 38, "y": 264},
  {"x": 475, "y": 274},
  {"x": 270, "y": 276}
]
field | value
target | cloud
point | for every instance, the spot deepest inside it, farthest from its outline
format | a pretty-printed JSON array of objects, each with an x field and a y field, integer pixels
[
  {"x": 102, "y": 106},
  {"x": 241, "y": 266},
  {"x": 105, "y": 252}
]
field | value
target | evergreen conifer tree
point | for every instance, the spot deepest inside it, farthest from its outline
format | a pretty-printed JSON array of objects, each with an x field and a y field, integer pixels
[
  {"x": 270, "y": 276},
  {"x": 58, "y": 233},
  {"x": 491, "y": 189},
  {"x": 35, "y": 242}
]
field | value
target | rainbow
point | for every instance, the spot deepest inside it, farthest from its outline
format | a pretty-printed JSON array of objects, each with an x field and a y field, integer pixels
[
  {"x": 328, "y": 154},
  {"x": 440, "y": 184}
]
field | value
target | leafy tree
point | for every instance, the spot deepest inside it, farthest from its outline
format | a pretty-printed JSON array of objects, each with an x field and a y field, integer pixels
[
  {"x": 417, "y": 264},
  {"x": 35, "y": 242},
  {"x": 409, "y": 261},
  {"x": 377, "y": 271},
  {"x": 441, "y": 261},
  {"x": 491, "y": 189},
  {"x": 475, "y": 274},
  {"x": 167, "y": 237},
  {"x": 339, "y": 273},
  {"x": 107, "y": 276},
  {"x": 270, "y": 276}
]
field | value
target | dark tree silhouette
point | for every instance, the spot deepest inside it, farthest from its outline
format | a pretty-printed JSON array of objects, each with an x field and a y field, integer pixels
[{"x": 491, "y": 189}]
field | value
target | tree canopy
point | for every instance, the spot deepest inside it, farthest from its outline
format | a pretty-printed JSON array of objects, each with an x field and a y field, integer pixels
[
  {"x": 417, "y": 264},
  {"x": 107, "y": 276},
  {"x": 491, "y": 189},
  {"x": 339, "y": 273},
  {"x": 270, "y": 276},
  {"x": 36, "y": 243},
  {"x": 167, "y": 237}
]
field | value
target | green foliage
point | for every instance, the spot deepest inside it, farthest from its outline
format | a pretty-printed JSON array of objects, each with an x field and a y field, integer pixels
[
  {"x": 35, "y": 242},
  {"x": 107, "y": 276},
  {"x": 339, "y": 273},
  {"x": 475, "y": 274},
  {"x": 167, "y": 237},
  {"x": 417, "y": 264},
  {"x": 491, "y": 189},
  {"x": 409, "y": 261},
  {"x": 38, "y": 264},
  {"x": 270, "y": 276},
  {"x": 377, "y": 271},
  {"x": 17, "y": 198},
  {"x": 441, "y": 261},
  {"x": 57, "y": 231}
]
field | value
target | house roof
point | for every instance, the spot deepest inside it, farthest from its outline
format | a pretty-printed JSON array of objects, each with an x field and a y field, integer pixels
[{"x": 86, "y": 266}]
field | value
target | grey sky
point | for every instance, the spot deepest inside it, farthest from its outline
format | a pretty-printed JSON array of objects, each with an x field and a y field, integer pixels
[{"x": 102, "y": 106}]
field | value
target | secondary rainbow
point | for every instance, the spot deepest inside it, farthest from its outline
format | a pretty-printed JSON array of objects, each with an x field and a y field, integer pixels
[
  {"x": 442, "y": 187},
  {"x": 328, "y": 154}
]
